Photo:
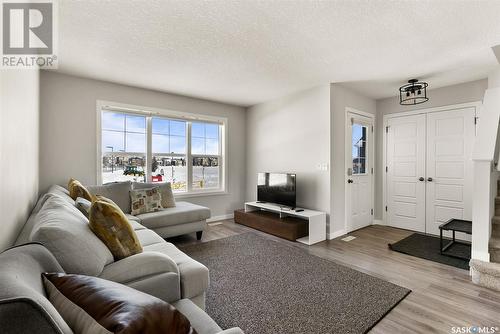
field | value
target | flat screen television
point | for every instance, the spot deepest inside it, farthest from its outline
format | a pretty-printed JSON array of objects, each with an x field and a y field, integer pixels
[{"x": 277, "y": 188}]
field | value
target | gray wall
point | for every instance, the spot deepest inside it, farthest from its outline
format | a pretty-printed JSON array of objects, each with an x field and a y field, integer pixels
[
  {"x": 68, "y": 131},
  {"x": 292, "y": 134},
  {"x": 19, "y": 126},
  {"x": 341, "y": 98},
  {"x": 456, "y": 94}
]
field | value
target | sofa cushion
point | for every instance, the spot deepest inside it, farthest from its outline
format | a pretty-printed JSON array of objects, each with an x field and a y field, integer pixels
[
  {"x": 145, "y": 200},
  {"x": 136, "y": 225},
  {"x": 94, "y": 305},
  {"x": 25, "y": 235},
  {"x": 118, "y": 192},
  {"x": 167, "y": 196},
  {"x": 65, "y": 232},
  {"x": 147, "y": 237},
  {"x": 194, "y": 275},
  {"x": 109, "y": 223},
  {"x": 134, "y": 218},
  {"x": 183, "y": 212},
  {"x": 62, "y": 192}
]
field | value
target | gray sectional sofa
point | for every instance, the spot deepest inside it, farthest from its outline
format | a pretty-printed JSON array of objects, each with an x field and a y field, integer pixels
[
  {"x": 65, "y": 243},
  {"x": 24, "y": 307},
  {"x": 184, "y": 218},
  {"x": 161, "y": 270}
]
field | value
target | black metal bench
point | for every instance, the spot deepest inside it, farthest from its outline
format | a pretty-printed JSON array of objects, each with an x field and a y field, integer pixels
[{"x": 454, "y": 225}]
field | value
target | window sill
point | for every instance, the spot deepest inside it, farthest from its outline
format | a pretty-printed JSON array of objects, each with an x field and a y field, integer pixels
[{"x": 201, "y": 194}]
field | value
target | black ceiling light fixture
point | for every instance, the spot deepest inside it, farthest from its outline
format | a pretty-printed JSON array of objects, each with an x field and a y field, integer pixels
[{"x": 413, "y": 92}]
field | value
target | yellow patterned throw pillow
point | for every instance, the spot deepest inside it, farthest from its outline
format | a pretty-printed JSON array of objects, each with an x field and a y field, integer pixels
[
  {"x": 109, "y": 223},
  {"x": 145, "y": 200},
  {"x": 76, "y": 189}
]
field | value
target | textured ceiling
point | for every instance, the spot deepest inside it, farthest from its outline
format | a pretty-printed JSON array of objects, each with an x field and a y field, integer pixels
[{"x": 247, "y": 52}]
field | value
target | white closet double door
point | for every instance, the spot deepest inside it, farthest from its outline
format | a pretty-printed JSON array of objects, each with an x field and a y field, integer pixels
[{"x": 429, "y": 169}]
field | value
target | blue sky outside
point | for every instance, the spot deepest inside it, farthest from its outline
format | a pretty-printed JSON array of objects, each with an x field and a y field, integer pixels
[
  {"x": 127, "y": 133},
  {"x": 205, "y": 138}
]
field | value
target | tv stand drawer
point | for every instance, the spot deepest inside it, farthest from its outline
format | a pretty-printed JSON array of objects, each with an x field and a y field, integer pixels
[{"x": 289, "y": 228}]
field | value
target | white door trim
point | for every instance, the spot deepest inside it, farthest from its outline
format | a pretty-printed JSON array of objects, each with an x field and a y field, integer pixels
[
  {"x": 476, "y": 104},
  {"x": 348, "y": 159}
]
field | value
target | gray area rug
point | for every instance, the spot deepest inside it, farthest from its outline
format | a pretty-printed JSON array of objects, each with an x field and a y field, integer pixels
[{"x": 264, "y": 286}]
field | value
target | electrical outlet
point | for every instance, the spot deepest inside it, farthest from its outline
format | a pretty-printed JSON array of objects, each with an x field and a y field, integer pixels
[{"x": 322, "y": 166}]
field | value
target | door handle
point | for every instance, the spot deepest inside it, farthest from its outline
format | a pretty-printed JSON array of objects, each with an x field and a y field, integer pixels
[
  {"x": 350, "y": 181},
  {"x": 429, "y": 179},
  {"x": 421, "y": 178}
]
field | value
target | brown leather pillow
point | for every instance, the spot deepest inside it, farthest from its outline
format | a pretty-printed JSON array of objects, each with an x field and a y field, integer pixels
[{"x": 94, "y": 305}]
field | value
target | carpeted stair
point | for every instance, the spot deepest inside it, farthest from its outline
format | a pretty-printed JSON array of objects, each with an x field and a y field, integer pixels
[{"x": 488, "y": 273}]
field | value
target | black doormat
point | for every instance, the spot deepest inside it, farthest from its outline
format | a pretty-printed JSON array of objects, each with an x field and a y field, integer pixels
[
  {"x": 427, "y": 247},
  {"x": 268, "y": 287}
]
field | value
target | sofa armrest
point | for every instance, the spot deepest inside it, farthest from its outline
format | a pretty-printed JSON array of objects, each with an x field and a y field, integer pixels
[
  {"x": 150, "y": 272},
  {"x": 234, "y": 330},
  {"x": 139, "y": 266}
]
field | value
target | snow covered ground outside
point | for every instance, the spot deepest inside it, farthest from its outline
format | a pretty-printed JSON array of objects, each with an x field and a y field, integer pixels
[{"x": 203, "y": 177}]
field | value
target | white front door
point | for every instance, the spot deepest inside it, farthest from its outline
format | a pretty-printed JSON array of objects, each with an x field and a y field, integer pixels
[
  {"x": 405, "y": 170},
  {"x": 450, "y": 138},
  {"x": 359, "y": 166}
]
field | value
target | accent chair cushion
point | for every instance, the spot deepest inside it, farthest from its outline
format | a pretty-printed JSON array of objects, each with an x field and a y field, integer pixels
[
  {"x": 167, "y": 196},
  {"x": 118, "y": 192},
  {"x": 76, "y": 189},
  {"x": 94, "y": 305},
  {"x": 110, "y": 225}
]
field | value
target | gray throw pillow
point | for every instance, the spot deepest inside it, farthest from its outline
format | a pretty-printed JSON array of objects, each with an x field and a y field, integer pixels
[
  {"x": 167, "y": 196},
  {"x": 83, "y": 205},
  {"x": 118, "y": 192}
]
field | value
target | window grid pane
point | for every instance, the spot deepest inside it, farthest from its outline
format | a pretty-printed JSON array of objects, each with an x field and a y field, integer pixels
[
  {"x": 359, "y": 149},
  {"x": 169, "y": 136},
  {"x": 170, "y": 169},
  {"x": 124, "y": 138},
  {"x": 206, "y": 172}
]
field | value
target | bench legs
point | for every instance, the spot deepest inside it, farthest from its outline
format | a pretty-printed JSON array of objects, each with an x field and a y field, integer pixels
[{"x": 198, "y": 235}]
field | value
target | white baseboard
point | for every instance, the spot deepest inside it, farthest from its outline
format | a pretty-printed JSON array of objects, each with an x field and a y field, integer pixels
[
  {"x": 335, "y": 234},
  {"x": 378, "y": 222},
  {"x": 221, "y": 217}
]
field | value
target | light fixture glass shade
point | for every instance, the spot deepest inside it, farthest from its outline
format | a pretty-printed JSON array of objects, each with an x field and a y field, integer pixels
[{"x": 413, "y": 93}]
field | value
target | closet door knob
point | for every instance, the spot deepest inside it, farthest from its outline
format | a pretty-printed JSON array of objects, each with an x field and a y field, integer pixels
[
  {"x": 350, "y": 181},
  {"x": 429, "y": 179},
  {"x": 421, "y": 178}
]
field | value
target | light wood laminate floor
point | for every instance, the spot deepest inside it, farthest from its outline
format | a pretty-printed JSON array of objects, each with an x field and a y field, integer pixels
[{"x": 442, "y": 297}]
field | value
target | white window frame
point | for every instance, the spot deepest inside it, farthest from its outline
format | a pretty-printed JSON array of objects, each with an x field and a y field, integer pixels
[{"x": 149, "y": 113}]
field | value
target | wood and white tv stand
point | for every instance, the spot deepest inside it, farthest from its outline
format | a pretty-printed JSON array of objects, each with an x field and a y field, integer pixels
[{"x": 307, "y": 226}]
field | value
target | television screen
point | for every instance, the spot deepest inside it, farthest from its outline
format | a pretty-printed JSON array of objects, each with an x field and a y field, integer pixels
[{"x": 278, "y": 188}]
